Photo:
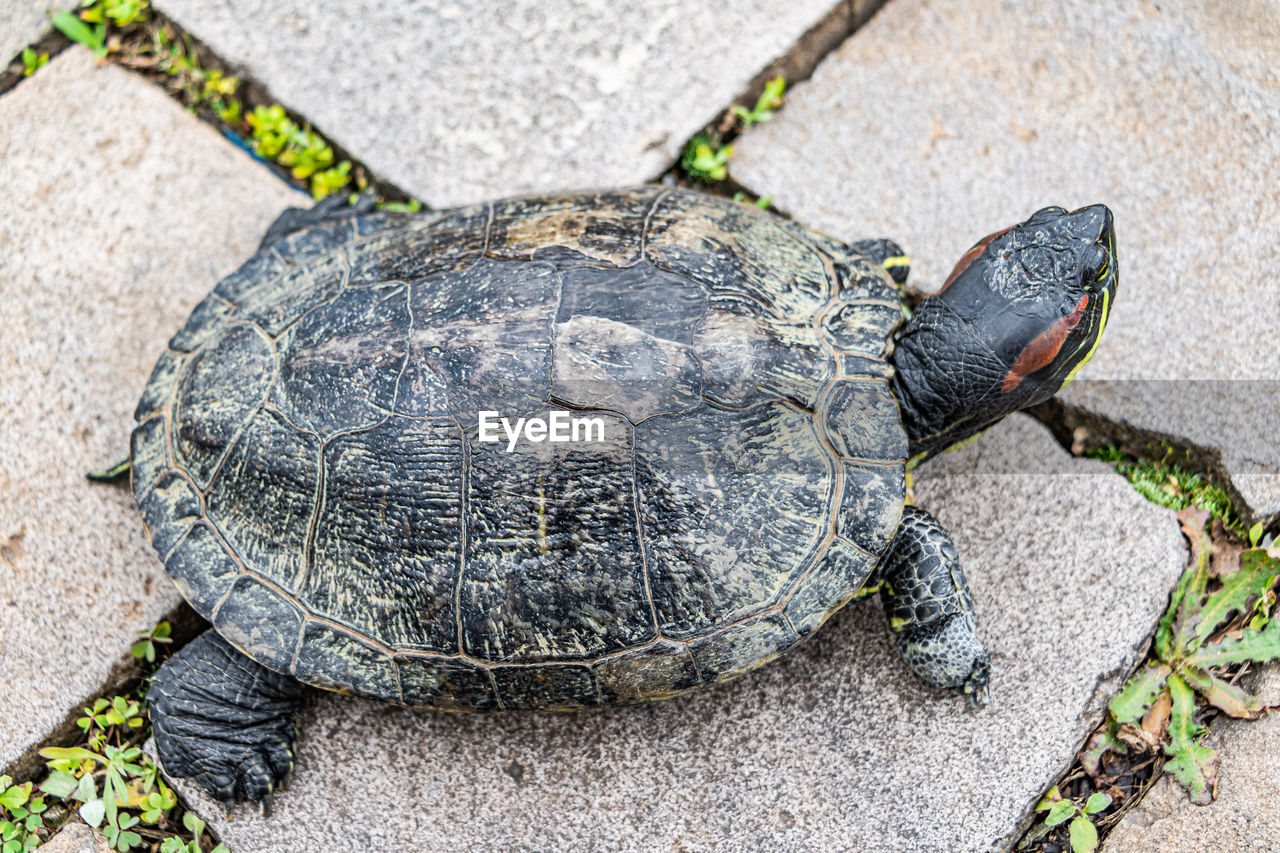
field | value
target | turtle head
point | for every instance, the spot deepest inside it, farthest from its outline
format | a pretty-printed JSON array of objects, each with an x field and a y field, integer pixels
[{"x": 1018, "y": 317}]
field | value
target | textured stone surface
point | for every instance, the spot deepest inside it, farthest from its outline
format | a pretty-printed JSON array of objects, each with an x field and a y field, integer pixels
[
  {"x": 941, "y": 121},
  {"x": 23, "y": 22},
  {"x": 835, "y": 746},
  {"x": 75, "y": 837},
  {"x": 120, "y": 210},
  {"x": 457, "y": 102},
  {"x": 1244, "y": 816}
]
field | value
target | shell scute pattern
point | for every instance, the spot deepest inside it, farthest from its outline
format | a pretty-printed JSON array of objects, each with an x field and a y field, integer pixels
[
  {"x": 414, "y": 250},
  {"x": 308, "y": 460},
  {"x": 387, "y": 541}
]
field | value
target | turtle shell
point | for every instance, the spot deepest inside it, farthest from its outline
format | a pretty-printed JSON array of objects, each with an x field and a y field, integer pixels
[{"x": 310, "y": 463}]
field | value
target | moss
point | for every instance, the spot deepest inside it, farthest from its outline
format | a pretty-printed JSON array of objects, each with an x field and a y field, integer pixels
[{"x": 1171, "y": 486}]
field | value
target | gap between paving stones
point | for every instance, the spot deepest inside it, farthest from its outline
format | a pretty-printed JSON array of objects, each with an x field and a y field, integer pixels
[
  {"x": 52, "y": 43},
  {"x": 1079, "y": 431},
  {"x": 794, "y": 66},
  {"x": 251, "y": 92}
]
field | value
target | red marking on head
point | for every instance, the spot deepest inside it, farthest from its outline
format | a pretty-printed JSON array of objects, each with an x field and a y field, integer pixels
[
  {"x": 1044, "y": 347},
  {"x": 971, "y": 256}
]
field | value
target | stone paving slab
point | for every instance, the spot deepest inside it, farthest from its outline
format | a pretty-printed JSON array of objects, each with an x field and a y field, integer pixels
[
  {"x": 459, "y": 102},
  {"x": 834, "y": 747},
  {"x": 1244, "y": 815},
  {"x": 939, "y": 122},
  {"x": 119, "y": 212},
  {"x": 23, "y": 22}
]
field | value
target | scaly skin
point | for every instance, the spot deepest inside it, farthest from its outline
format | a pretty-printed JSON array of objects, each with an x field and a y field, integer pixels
[
  {"x": 930, "y": 609},
  {"x": 224, "y": 721}
]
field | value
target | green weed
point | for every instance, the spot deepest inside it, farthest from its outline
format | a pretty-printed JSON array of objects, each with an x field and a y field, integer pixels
[
  {"x": 768, "y": 102},
  {"x": 106, "y": 780},
  {"x": 92, "y": 25},
  {"x": 32, "y": 61},
  {"x": 704, "y": 158},
  {"x": 1220, "y": 616},
  {"x": 122, "y": 13},
  {"x": 302, "y": 151},
  {"x": 410, "y": 206},
  {"x": 1082, "y": 833},
  {"x": 21, "y": 817},
  {"x": 71, "y": 26},
  {"x": 763, "y": 202},
  {"x": 146, "y": 647}
]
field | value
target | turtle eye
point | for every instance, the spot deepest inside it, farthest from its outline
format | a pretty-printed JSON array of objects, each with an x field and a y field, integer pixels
[{"x": 1095, "y": 267}]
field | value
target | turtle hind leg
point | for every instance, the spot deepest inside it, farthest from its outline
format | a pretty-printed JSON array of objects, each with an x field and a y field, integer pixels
[
  {"x": 930, "y": 609},
  {"x": 224, "y": 721},
  {"x": 887, "y": 254},
  {"x": 331, "y": 208}
]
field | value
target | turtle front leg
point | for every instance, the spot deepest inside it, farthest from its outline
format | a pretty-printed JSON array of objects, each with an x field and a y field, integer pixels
[
  {"x": 887, "y": 254},
  {"x": 930, "y": 609},
  {"x": 225, "y": 721}
]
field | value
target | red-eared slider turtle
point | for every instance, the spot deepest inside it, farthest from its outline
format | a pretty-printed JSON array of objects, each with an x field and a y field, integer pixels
[{"x": 554, "y": 452}]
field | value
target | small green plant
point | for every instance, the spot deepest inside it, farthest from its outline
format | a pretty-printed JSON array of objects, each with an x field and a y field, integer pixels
[
  {"x": 119, "y": 12},
  {"x": 410, "y": 206},
  {"x": 1220, "y": 615},
  {"x": 122, "y": 779},
  {"x": 196, "y": 827},
  {"x": 106, "y": 713},
  {"x": 1081, "y": 831},
  {"x": 146, "y": 647},
  {"x": 71, "y": 26},
  {"x": 21, "y": 817},
  {"x": 302, "y": 151},
  {"x": 763, "y": 202},
  {"x": 704, "y": 158},
  {"x": 91, "y": 26},
  {"x": 111, "y": 784},
  {"x": 32, "y": 61},
  {"x": 768, "y": 102}
]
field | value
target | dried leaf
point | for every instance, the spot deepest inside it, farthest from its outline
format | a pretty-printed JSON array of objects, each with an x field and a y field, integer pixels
[
  {"x": 1102, "y": 742},
  {"x": 1227, "y": 548},
  {"x": 1156, "y": 720},
  {"x": 1137, "y": 737}
]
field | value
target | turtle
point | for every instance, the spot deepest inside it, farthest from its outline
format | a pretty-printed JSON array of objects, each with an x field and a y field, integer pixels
[{"x": 325, "y": 459}]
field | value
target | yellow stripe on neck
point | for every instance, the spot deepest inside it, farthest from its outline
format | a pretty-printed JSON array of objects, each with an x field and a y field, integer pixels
[{"x": 1097, "y": 339}]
